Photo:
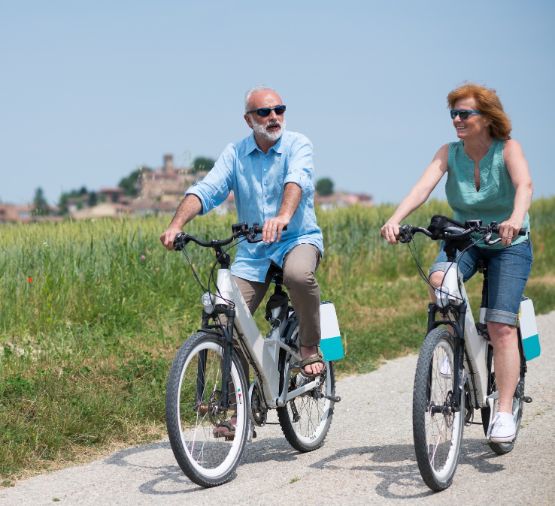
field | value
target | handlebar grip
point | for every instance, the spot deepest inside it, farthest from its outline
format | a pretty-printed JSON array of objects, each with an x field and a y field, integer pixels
[
  {"x": 257, "y": 229},
  {"x": 254, "y": 232},
  {"x": 242, "y": 229},
  {"x": 405, "y": 233},
  {"x": 180, "y": 241},
  {"x": 495, "y": 229}
]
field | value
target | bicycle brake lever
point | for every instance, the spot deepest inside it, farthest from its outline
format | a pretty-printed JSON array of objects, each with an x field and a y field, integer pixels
[{"x": 489, "y": 242}]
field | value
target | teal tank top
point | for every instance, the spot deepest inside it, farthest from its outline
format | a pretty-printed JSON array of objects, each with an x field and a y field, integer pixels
[{"x": 494, "y": 201}]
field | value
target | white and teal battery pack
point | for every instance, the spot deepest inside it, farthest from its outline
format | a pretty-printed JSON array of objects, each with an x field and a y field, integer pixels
[
  {"x": 529, "y": 329},
  {"x": 331, "y": 343}
]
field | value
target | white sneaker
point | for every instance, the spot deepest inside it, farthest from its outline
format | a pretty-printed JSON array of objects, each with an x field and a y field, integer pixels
[
  {"x": 445, "y": 367},
  {"x": 503, "y": 428}
]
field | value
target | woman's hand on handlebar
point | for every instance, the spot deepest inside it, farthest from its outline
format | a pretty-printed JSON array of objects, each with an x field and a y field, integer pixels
[
  {"x": 168, "y": 237},
  {"x": 272, "y": 229},
  {"x": 390, "y": 232},
  {"x": 509, "y": 230}
]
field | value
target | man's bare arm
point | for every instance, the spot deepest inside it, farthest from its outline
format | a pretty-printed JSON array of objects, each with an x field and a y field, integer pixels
[{"x": 189, "y": 207}]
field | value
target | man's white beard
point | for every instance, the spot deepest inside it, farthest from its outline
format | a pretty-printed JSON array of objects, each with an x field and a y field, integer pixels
[{"x": 260, "y": 131}]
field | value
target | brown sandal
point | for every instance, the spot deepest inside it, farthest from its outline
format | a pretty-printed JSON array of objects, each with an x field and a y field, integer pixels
[{"x": 315, "y": 358}]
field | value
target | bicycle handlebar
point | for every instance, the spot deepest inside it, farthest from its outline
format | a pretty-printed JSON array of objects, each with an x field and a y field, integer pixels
[
  {"x": 450, "y": 230},
  {"x": 237, "y": 230}
]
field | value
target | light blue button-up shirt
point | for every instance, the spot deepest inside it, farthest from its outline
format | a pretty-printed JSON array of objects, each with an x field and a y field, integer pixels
[{"x": 258, "y": 180}]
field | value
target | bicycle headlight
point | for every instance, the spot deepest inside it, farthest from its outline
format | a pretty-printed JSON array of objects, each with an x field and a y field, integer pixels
[{"x": 207, "y": 302}]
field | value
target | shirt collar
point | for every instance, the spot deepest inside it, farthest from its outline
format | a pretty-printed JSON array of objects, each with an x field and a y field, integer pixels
[
  {"x": 252, "y": 146},
  {"x": 277, "y": 147}
]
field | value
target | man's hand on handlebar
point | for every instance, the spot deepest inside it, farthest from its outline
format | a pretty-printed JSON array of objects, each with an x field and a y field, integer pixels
[
  {"x": 271, "y": 232},
  {"x": 390, "y": 232},
  {"x": 168, "y": 237}
]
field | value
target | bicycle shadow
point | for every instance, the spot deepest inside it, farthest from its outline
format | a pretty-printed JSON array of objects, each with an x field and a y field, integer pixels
[
  {"x": 136, "y": 458},
  {"x": 396, "y": 468},
  {"x": 170, "y": 480},
  {"x": 394, "y": 465}
]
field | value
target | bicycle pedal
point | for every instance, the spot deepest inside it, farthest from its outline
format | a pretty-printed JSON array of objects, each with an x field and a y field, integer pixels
[{"x": 527, "y": 399}]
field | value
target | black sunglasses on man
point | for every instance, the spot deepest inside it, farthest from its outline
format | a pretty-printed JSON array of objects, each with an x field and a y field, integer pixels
[{"x": 264, "y": 112}]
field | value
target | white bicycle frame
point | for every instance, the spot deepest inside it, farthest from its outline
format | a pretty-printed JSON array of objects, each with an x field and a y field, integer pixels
[
  {"x": 453, "y": 291},
  {"x": 264, "y": 351}
]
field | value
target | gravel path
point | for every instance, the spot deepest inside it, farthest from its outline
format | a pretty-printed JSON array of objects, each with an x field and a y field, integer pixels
[{"x": 368, "y": 457}]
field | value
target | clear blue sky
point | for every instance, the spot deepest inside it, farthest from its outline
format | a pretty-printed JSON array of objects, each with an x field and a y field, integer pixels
[{"x": 90, "y": 90}]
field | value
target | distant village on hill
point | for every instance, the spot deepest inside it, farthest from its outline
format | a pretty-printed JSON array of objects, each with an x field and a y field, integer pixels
[{"x": 149, "y": 191}]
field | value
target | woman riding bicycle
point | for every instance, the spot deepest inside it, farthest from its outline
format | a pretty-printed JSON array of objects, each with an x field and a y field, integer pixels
[{"x": 487, "y": 179}]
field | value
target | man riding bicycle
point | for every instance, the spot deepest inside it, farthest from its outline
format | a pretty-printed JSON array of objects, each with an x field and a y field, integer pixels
[{"x": 271, "y": 175}]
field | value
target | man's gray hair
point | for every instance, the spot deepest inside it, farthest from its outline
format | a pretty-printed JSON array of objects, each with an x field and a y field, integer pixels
[{"x": 254, "y": 90}]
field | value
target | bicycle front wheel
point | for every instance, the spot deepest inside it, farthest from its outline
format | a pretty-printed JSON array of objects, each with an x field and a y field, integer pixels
[
  {"x": 437, "y": 429},
  {"x": 207, "y": 441}
]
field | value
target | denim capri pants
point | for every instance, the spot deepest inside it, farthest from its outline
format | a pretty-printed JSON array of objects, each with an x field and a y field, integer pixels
[{"x": 508, "y": 271}]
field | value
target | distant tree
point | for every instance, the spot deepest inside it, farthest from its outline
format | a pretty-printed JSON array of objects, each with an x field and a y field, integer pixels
[
  {"x": 92, "y": 199},
  {"x": 201, "y": 163},
  {"x": 40, "y": 205},
  {"x": 62, "y": 204},
  {"x": 324, "y": 186},
  {"x": 130, "y": 184}
]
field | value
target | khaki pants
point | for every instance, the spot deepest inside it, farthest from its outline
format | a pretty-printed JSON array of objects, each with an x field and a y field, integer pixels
[{"x": 299, "y": 267}]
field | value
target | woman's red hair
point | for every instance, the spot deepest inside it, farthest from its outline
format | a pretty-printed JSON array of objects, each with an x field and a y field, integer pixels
[{"x": 488, "y": 104}]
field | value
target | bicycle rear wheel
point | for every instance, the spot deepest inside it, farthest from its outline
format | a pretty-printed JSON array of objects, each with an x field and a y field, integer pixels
[
  {"x": 200, "y": 432},
  {"x": 306, "y": 419},
  {"x": 437, "y": 429}
]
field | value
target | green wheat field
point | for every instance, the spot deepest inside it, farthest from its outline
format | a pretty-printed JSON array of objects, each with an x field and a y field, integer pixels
[{"x": 92, "y": 313}]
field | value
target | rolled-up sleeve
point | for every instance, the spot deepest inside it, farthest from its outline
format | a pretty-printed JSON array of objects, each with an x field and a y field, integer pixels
[
  {"x": 217, "y": 184},
  {"x": 300, "y": 168}
]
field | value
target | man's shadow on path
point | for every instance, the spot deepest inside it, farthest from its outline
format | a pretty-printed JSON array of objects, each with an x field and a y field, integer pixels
[{"x": 395, "y": 465}]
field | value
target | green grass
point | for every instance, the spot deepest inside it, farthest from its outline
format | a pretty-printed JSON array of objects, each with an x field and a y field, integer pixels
[{"x": 91, "y": 314}]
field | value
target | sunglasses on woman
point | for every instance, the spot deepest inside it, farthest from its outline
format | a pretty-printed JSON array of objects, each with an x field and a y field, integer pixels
[
  {"x": 264, "y": 112},
  {"x": 463, "y": 113}
]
